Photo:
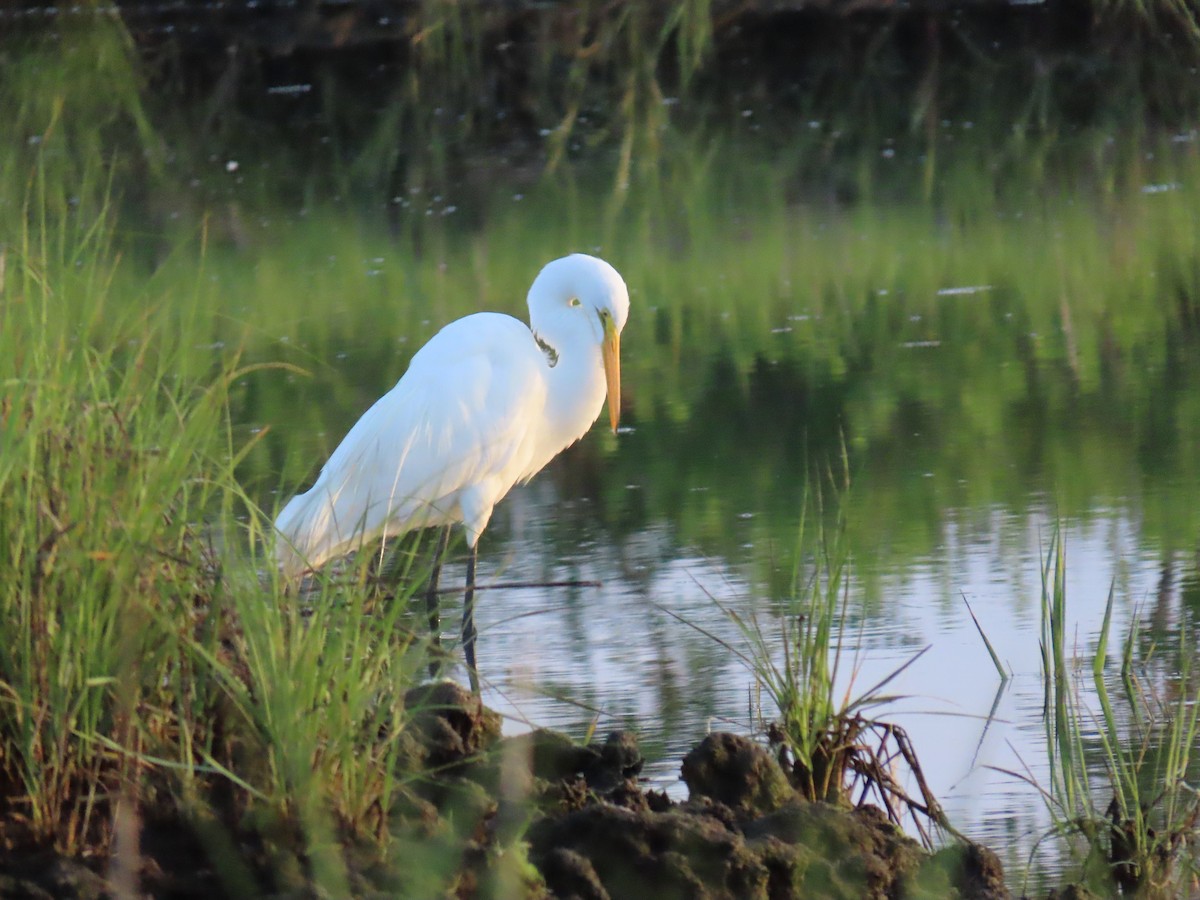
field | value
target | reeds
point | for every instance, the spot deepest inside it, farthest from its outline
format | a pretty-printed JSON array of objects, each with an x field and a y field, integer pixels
[
  {"x": 149, "y": 671},
  {"x": 1119, "y": 791},
  {"x": 832, "y": 749}
]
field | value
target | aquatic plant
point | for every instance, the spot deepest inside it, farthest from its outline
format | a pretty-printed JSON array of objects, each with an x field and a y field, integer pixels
[
  {"x": 829, "y": 745},
  {"x": 1119, "y": 792}
]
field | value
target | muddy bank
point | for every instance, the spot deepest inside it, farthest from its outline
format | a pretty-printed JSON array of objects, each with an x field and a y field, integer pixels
[
  {"x": 538, "y": 816},
  {"x": 593, "y": 832}
]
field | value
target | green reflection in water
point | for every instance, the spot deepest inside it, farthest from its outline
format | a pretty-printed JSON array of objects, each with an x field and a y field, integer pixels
[
  {"x": 1041, "y": 359},
  {"x": 968, "y": 362}
]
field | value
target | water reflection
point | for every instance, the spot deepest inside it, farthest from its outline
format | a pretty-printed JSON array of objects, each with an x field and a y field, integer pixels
[
  {"x": 645, "y": 650},
  {"x": 988, "y": 385}
]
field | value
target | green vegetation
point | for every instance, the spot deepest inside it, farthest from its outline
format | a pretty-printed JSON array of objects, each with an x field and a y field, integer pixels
[
  {"x": 187, "y": 327},
  {"x": 1119, "y": 794},
  {"x": 147, "y": 666},
  {"x": 833, "y": 749},
  {"x": 102, "y": 503}
]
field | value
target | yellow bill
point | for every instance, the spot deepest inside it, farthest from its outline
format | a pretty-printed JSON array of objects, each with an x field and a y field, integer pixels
[{"x": 611, "y": 350}]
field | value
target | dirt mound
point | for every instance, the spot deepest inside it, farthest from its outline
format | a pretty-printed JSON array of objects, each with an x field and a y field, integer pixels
[
  {"x": 743, "y": 833},
  {"x": 732, "y": 770}
]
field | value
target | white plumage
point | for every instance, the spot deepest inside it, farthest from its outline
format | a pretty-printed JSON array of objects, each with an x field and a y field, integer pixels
[{"x": 484, "y": 405}]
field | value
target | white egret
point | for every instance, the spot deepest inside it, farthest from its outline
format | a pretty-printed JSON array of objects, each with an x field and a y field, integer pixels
[{"x": 484, "y": 405}]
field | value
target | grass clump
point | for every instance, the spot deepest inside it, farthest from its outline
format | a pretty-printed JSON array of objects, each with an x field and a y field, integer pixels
[
  {"x": 153, "y": 681},
  {"x": 103, "y": 563},
  {"x": 834, "y": 750},
  {"x": 830, "y": 748},
  {"x": 1119, "y": 792}
]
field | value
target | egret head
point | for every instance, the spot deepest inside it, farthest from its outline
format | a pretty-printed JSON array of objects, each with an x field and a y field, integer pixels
[{"x": 580, "y": 297}]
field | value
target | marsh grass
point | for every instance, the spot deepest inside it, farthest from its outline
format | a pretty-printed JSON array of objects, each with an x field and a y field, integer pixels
[
  {"x": 585, "y": 76},
  {"x": 150, "y": 671},
  {"x": 833, "y": 749},
  {"x": 99, "y": 511},
  {"x": 1160, "y": 16},
  {"x": 1119, "y": 791},
  {"x": 319, "y": 685},
  {"x": 831, "y": 746}
]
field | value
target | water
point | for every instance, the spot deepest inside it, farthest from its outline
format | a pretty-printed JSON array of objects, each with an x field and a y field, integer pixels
[
  {"x": 977, "y": 424},
  {"x": 645, "y": 650}
]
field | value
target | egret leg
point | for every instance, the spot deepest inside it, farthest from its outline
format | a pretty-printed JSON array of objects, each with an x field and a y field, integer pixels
[
  {"x": 468, "y": 623},
  {"x": 431, "y": 600}
]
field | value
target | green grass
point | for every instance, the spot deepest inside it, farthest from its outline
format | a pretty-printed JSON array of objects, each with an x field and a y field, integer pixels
[
  {"x": 157, "y": 671},
  {"x": 822, "y": 722},
  {"x": 102, "y": 508},
  {"x": 1119, "y": 793},
  {"x": 152, "y": 667}
]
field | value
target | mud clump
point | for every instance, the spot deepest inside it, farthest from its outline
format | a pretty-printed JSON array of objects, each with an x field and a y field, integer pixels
[
  {"x": 733, "y": 770},
  {"x": 641, "y": 853},
  {"x": 451, "y": 724},
  {"x": 47, "y": 877},
  {"x": 744, "y": 833}
]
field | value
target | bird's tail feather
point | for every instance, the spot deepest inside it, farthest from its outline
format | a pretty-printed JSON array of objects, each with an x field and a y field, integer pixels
[
  {"x": 309, "y": 531},
  {"x": 293, "y": 535}
]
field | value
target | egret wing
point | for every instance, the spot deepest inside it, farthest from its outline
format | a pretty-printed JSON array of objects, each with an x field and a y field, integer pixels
[{"x": 443, "y": 445}]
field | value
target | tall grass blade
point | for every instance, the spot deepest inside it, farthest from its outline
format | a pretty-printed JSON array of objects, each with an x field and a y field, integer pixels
[
  {"x": 1102, "y": 644},
  {"x": 1004, "y": 676}
]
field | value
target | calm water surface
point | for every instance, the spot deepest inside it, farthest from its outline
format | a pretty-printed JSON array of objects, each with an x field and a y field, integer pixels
[
  {"x": 986, "y": 398},
  {"x": 619, "y": 655}
]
